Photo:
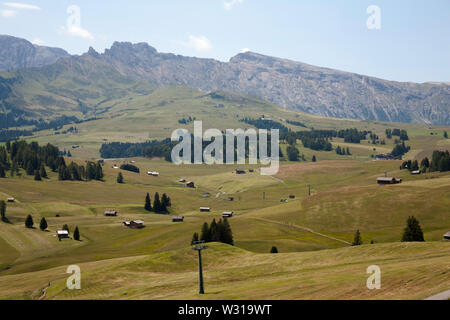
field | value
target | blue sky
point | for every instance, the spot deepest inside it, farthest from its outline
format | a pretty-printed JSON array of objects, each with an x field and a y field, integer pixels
[{"x": 413, "y": 43}]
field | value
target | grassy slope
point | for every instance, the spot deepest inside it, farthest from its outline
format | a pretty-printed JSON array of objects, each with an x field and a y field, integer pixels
[{"x": 408, "y": 271}]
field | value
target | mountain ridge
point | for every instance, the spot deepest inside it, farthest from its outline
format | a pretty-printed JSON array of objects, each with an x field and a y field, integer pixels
[{"x": 290, "y": 84}]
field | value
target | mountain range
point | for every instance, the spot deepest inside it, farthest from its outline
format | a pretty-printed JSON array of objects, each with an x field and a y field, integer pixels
[{"x": 43, "y": 80}]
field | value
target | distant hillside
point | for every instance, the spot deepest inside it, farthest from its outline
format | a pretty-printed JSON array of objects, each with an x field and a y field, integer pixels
[
  {"x": 16, "y": 53},
  {"x": 290, "y": 84}
]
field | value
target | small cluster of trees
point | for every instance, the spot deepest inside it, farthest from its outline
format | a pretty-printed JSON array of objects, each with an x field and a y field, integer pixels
[
  {"x": 186, "y": 120},
  {"x": 160, "y": 205},
  {"x": 402, "y": 134},
  {"x": 440, "y": 161},
  {"x": 43, "y": 225},
  {"x": 343, "y": 151},
  {"x": 129, "y": 167},
  {"x": 92, "y": 171},
  {"x": 400, "y": 149},
  {"x": 266, "y": 124},
  {"x": 215, "y": 232}
]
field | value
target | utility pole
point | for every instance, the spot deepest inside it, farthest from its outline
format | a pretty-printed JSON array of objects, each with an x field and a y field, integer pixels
[
  {"x": 199, "y": 246},
  {"x": 264, "y": 195},
  {"x": 309, "y": 190}
]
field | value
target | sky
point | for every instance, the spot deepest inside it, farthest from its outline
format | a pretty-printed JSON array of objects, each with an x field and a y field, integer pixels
[{"x": 402, "y": 40}]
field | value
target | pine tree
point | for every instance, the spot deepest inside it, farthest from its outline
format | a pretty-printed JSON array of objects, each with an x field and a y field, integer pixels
[
  {"x": 357, "y": 240},
  {"x": 120, "y": 178},
  {"x": 43, "y": 224},
  {"x": 206, "y": 233},
  {"x": 43, "y": 172},
  {"x": 29, "y": 222},
  {"x": 148, "y": 203},
  {"x": 2, "y": 172},
  {"x": 348, "y": 151},
  {"x": 314, "y": 159},
  {"x": 3, "y": 210},
  {"x": 274, "y": 250},
  {"x": 66, "y": 227},
  {"x": 194, "y": 238},
  {"x": 445, "y": 135},
  {"x": 213, "y": 231},
  {"x": 76, "y": 234},
  {"x": 228, "y": 234},
  {"x": 157, "y": 203},
  {"x": 413, "y": 231},
  {"x": 37, "y": 176}
]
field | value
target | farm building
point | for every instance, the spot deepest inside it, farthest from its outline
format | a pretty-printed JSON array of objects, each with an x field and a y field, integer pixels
[
  {"x": 416, "y": 172},
  {"x": 240, "y": 171},
  {"x": 227, "y": 214},
  {"x": 206, "y": 195},
  {"x": 134, "y": 224},
  {"x": 190, "y": 184},
  {"x": 154, "y": 174},
  {"x": 447, "y": 236},
  {"x": 10, "y": 199},
  {"x": 251, "y": 170},
  {"x": 182, "y": 180},
  {"x": 111, "y": 213},
  {"x": 205, "y": 209},
  {"x": 291, "y": 196},
  {"x": 62, "y": 234},
  {"x": 388, "y": 180},
  {"x": 384, "y": 157},
  {"x": 177, "y": 219}
]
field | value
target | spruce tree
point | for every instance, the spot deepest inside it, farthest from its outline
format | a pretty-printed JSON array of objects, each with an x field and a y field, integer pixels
[
  {"x": 29, "y": 222},
  {"x": 148, "y": 203},
  {"x": 3, "y": 210},
  {"x": 66, "y": 227},
  {"x": 2, "y": 171},
  {"x": 43, "y": 172},
  {"x": 157, "y": 203},
  {"x": 76, "y": 234},
  {"x": 445, "y": 135},
  {"x": 214, "y": 231},
  {"x": 348, "y": 151},
  {"x": 227, "y": 233},
  {"x": 314, "y": 159},
  {"x": 43, "y": 224},
  {"x": 357, "y": 240},
  {"x": 206, "y": 233},
  {"x": 120, "y": 178},
  {"x": 194, "y": 238},
  {"x": 413, "y": 231},
  {"x": 274, "y": 250},
  {"x": 37, "y": 176}
]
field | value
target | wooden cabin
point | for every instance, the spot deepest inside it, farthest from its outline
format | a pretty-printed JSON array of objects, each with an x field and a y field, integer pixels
[
  {"x": 388, "y": 180},
  {"x": 177, "y": 219},
  {"x": 205, "y": 209},
  {"x": 240, "y": 171},
  {"x": 111, "y": 213},
  {"x": 291, "y": 196},
  {"x": 227, "y": 214},
  {"x": 182, "y": 180},
  {"x": 10, "y": 200},
  {"x": 447, "y": 236},
  {"x": 62, "y": 234},
  {"x": 190, "y": 184},
  {"x": 134, "y": 224},
  {"x": 416, "y": 172}
]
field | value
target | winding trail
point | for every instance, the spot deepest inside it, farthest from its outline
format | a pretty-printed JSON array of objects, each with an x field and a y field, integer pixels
[
  {"x": 303, "y": 229},
  {"x": 44, "y": 292}
]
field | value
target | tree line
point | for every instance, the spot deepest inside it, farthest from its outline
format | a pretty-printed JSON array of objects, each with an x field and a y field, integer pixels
[
  {"x": 440, "y": 161},
  {"x": 215, "y": 232}
]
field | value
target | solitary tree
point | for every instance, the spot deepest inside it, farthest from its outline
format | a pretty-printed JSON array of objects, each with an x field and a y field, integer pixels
[
  {"x": 148, "y": 203},
  {"x": 120, "y": 178},
  {"x": 314, "y": 159},
  {"x": 357, "y": 240},
  {"x": 413, "y": 231},
  {"x": 43, "y": 224},
  {"x": 445, "y": 135},
  {"x": 274, "y": 250},
  {"x": 29, "y": 222},
  {"x": 76, "y": 234},
  {"x": 3, "y": 210}
]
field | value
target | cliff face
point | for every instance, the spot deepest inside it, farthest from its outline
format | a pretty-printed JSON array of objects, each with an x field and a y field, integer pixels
[{"x": 291, "y": 84}]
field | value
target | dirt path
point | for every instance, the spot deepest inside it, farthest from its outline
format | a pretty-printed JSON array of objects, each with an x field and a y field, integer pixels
[
  {"x": 304, "y": 229},
  {"x": 44, "y": 292},
  {"x": 440, "y": 296}
]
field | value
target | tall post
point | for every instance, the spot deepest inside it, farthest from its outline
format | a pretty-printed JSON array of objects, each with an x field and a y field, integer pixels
[
  {"x": 309, "y": 190},
  {"x": 264, "y": 195},
  {"x": 200, "y": 273}
]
